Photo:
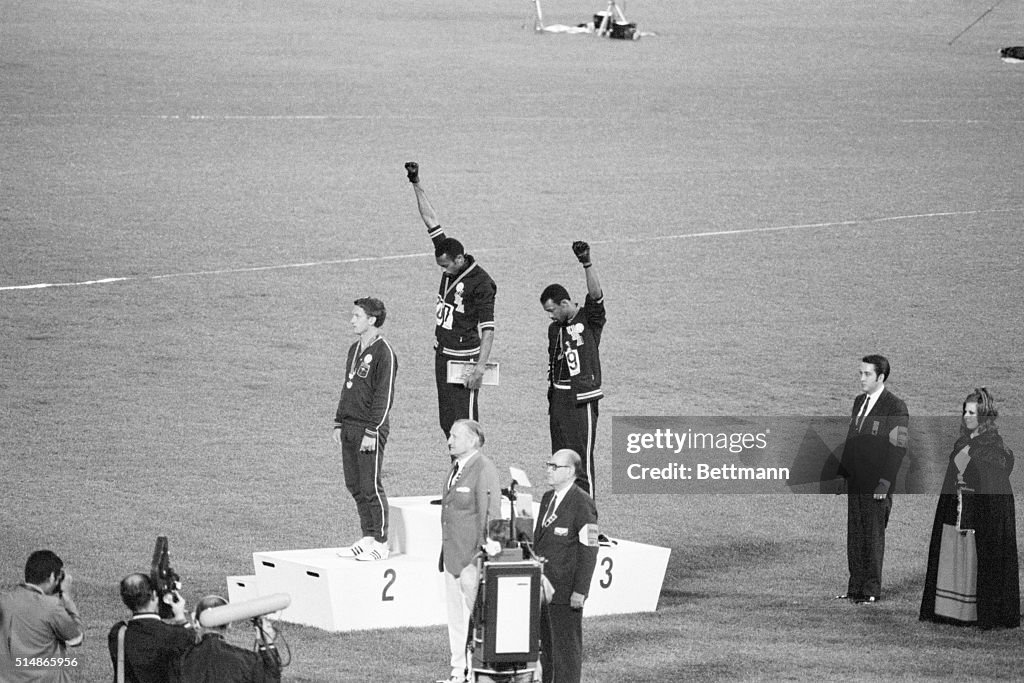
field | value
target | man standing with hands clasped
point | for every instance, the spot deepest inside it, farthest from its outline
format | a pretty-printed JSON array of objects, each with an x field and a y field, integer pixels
[
  {"x": 471, "y": 497},
  {"x": 361, "y": 426},
  {"x": 574, "y": 367},
  {"x": 464, "y": 324},
  {"x": 566, "y": 537},
  {"x": 876, "y": 443}
]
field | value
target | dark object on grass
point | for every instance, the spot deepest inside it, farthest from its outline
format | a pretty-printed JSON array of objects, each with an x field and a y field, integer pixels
[
  {"x": 1012, "y": 54},
  {"x": 624, "y": 30}
]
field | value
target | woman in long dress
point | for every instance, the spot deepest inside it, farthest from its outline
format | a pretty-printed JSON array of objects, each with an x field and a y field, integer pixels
[{"x": 978, "y": 482}]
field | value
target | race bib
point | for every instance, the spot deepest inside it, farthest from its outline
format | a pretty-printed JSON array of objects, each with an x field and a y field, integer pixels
[
  {"x": 572, "y": 361},
  {"x": 445, "y": 313}
]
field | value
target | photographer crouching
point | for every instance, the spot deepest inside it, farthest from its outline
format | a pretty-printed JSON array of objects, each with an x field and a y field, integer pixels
[{"x": 143, "y": 648}]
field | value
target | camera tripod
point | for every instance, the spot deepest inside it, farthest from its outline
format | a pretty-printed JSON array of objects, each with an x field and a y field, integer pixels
[{"x": 609, "y": 17}]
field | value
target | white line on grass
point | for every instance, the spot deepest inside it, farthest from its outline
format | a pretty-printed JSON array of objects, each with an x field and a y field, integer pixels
[{"x": 393, "y": 257}]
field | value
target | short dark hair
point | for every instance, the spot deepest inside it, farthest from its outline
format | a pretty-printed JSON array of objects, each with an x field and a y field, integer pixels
[
  {"x": 136, "y": 591},
  {"x": 374, "y": 308},
  {"x": 881, "y": 364},
  {"x": 555, "y": 293},
  {"x": 40, "y": 565},
  {"x": 449, "y": 247}
]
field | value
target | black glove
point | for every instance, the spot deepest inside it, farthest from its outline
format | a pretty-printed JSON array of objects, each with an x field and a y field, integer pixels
[
  {"x": 582, "y": 251},
  {"x": 412, "y": 169}
]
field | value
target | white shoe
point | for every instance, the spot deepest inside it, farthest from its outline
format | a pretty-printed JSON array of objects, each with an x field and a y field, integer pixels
[
  {"x": 373, "y": 552},
  {"x": 357, "y": 548}
]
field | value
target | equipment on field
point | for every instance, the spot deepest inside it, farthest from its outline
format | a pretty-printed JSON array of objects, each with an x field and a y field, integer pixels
[
  {"x": 504, "y": 630},
  {"x": 241, "y": 611},
  {"x": 505, "y": 627},
  {"x": 613, "y": 23},
  {"x": 165, "y": 579},
  {"x": 608, "y": 23},
  {"x": 1012, "y": 55}
]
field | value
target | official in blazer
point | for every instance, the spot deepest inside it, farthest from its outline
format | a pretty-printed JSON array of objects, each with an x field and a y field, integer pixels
[
  {"x": 876, "y": 444},
  {"x": 471, "y": 497},
  {"x": 565, "y": 536}
]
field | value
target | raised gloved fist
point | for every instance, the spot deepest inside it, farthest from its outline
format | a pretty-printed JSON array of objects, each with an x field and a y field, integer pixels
[
  {"x": 582, "y": 251},
  {"x": 412, "y": 169}
]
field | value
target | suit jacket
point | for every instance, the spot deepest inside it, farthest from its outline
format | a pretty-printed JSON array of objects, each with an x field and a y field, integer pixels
[
  {"x": 876, "y": 450},
  {"x": 212, "y": 660},
  {"x": 465, "y": 510},
  {"x": 571, "y": 557},
  {"x": 150, "y": 647}
]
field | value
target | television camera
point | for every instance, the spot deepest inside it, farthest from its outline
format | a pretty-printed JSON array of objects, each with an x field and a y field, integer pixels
[{"x": 164, "y": 578}]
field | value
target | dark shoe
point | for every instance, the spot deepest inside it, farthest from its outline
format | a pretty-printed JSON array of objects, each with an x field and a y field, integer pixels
[
  {"x": 867, "y": 600},
  {"x": 436, "y": 501},
  {"x": 605, "y": 541},
  {"x": 854, "y": 597}
]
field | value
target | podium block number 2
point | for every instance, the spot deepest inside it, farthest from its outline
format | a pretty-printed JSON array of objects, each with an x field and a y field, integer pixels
[
  {"x": 391, "y": 575},
  {"x": 606, "y": 580}
]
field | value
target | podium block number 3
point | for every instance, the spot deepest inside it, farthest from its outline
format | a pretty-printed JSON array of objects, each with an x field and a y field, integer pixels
[
  {"x": 606, "y": 580},
  {"x": 391, "y": 575}
]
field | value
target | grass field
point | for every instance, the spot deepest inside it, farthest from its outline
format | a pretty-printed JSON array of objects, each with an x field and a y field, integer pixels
[{"x": 771, "y": 190}]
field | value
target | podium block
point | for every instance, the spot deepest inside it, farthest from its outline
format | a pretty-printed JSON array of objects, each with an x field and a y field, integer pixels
[
  {"x": 414, "y": 526},
  {"x": 242, "y": 588},
  {"x": 342, "y": 594},
  {"x": 628, "y": 578}
]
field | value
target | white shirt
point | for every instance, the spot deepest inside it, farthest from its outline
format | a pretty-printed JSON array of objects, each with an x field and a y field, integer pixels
[
  {"x": 872, "y": 399},
  {"x": 462, "y": 462}
]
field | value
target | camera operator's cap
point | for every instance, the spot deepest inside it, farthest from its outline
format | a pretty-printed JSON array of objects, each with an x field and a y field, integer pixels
[{"x": 208, "y": 602}]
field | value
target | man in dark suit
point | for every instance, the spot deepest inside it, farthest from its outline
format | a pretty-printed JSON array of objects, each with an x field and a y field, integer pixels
[
  {"x": 145, "y": 645},
  {"x": 566, "y": 536},
  {"x": 214, "y": 660},
  {"x": 875, "y": 446},
  {"x": 471, "y": 497}
]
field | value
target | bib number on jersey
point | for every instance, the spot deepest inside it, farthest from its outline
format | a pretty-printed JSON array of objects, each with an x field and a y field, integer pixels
[
  {"x": 572, "y": 361},
  {"x": 445, "y": 313}
]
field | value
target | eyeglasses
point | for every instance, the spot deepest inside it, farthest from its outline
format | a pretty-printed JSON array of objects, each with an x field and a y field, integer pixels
[{"x": 556, "y": 466}]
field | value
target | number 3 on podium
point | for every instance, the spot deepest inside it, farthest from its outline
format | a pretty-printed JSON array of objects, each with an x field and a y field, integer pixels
[{"x": 606, "y": 580}]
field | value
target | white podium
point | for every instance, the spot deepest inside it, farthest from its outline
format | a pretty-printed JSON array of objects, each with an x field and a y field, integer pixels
[
  {"x": 627, "y": 578},
  {"x": 341, "y": 594},
  {"x": 242, "y": 588}
]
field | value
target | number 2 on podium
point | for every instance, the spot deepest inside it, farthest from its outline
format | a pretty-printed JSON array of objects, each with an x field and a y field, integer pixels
[{"x": 392, "y": 576}]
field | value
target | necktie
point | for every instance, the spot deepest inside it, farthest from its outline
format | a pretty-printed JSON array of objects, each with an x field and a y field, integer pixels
[
  {"x": 455, "y": 475},
  {"x": 551, "y": 510},
  {"x": 863, "y": 412}
]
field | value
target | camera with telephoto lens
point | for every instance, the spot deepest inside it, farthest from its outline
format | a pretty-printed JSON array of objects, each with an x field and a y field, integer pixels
[{"x": 165, "y": 579}]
